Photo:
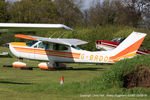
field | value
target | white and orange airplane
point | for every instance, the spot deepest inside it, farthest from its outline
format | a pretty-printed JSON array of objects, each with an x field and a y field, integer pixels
[{"x": 59, "y": 50}]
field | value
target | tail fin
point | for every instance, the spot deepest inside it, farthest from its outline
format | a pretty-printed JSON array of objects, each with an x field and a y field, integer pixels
[{"x": 128, "y": 48}]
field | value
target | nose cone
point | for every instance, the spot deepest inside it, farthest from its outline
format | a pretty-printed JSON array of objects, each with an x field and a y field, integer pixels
[
  {"x": 13, "y": 47},
  {"x": 12, "y": 50}
]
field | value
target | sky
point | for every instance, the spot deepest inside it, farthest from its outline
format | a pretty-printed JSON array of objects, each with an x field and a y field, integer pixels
[{"x": 86, "y": 3}]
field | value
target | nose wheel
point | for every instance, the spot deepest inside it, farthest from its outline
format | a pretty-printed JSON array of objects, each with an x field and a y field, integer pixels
[{"x": 53, "y": 65}]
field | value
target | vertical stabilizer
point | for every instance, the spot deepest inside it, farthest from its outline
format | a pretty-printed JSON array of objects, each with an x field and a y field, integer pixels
[{"x": 128, "y": 48}]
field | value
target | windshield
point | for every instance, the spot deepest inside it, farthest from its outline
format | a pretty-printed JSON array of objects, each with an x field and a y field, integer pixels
[
  {"x": 30, "y": 43},
  {"x": 115, "y": 40},
  {"x": 119, "y": 40}
]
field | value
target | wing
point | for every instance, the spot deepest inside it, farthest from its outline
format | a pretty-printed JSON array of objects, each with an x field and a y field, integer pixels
[
  {"x": 64, "y": 41},
  {"x": 34, "y": 25}
]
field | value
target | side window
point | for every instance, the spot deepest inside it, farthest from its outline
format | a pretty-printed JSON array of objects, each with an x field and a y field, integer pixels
[
  {"x": 42, "y": 45},
  {"x": 48, "y": 46},
  {"x": 59, "y": 47}
]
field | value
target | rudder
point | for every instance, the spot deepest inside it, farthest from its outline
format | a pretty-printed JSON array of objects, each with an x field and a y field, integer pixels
[{"x": 128, "y": 48}]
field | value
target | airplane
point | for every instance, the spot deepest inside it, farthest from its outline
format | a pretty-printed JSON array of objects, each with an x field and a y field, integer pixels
[
  {"x": 62, "y": 50},
  {"x": 109, "y": 45}
]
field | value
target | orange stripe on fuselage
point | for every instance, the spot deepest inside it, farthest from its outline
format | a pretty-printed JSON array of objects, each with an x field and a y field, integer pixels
[
  {"x": 130, "y": 49},
  {"x": 18, "y": 44},
  {"x": 48, "y": 52},
  {"x": 122, "y": 57}
]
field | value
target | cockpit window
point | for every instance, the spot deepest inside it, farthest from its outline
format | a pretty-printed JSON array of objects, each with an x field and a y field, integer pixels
[
  {"x": 115, "y": 40},
  {"x": 30, "y": 43},
  {"x": 119, "y": 40},
  {"x": 75, "y": 47}
]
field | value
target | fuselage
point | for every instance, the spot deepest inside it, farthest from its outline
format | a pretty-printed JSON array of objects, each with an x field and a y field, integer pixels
[
  {"x": 71, "y": 54},
  {"x": 58, "y": 52}
]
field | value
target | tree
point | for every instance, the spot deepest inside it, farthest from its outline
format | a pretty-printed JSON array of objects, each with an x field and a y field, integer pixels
[
  {"x": 33, "y": 11},
  {"x": 122, "y": 12},
  {"x": 69, "y": 13},
  {"x": 3, "y": 11},
  {"x": 103, "y": 13},
  {"x": 144, "y": 6},
  {"x": 96, "y": 15},
  {"x": 128, "y": 12}
]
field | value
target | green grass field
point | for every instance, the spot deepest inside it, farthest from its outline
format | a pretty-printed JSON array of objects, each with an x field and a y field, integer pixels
[
  {"x": 16, "y": 84},
  {"x": 40, "y": 84}
]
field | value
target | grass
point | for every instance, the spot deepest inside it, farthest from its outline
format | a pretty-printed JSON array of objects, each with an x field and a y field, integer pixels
[
  {"x": 40, "y": 84},
  {"x": 16, "y": 84},
  {"x": 110, "y": 81}
]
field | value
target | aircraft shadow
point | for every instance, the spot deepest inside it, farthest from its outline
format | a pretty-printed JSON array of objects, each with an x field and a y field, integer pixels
[
  {"x": 17, "y": 83},
  {"x": 86, "y": 69},
  {"x": 76, "y": 69}
]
